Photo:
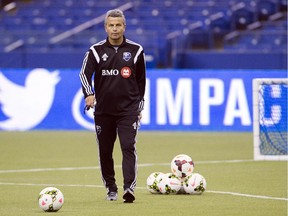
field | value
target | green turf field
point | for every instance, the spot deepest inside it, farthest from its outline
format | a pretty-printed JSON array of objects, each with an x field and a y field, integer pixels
[{"x": 236, "y": 185}]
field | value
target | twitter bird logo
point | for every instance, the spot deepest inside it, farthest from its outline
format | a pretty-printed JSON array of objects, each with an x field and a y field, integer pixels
[{"x": 26, "y": 106}]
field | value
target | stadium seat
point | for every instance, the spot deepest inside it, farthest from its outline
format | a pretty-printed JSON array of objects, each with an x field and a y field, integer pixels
[
  {"x": 266, "y": 8},
  {"x": 242, "y": 16},
  {"x": 199, "y": 24}
]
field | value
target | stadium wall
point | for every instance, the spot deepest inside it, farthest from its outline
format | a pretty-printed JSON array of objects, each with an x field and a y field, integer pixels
[
  {"x": 180, "y": 100},
  {"x": 181, "y": 60},
  {"x": 228, "y": 60}
]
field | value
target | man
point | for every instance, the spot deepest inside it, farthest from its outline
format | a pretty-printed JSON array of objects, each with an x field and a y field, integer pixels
[{"x": 119, "y": 70}]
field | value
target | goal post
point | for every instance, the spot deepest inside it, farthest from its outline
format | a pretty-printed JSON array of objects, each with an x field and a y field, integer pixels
[{"x": 270, "y": 119}]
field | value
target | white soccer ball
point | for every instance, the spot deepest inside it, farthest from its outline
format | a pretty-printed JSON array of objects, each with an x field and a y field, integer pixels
[
  {"x": 169, "y": 184},
  {"x": 195, "y": 184},
  {"x": 152, "y": 182},
  {"x": 50, "y": 199},
  {"x": 182, "y": 165}
]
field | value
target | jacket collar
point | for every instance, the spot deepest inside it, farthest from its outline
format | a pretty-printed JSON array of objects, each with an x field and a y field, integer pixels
[{"x": 124, "y": 42}]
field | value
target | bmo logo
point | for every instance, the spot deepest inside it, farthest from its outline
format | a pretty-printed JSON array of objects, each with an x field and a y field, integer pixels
[
  {"x": 112, "y": 72},
  {"x": 126, "y": 72}
]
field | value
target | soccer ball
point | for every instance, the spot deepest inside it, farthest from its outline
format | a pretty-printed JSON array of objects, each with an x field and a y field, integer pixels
[
  {"x": 152, "y": 182},
  {"x": 195, "y": 184},
  {"x": 50, "y": 199},
  {"x": 182, "y": 165},
  {"x": 169, "y": 184}
]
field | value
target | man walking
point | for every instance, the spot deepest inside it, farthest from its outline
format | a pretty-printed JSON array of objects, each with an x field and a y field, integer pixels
[{"x": 119, "y": 70}]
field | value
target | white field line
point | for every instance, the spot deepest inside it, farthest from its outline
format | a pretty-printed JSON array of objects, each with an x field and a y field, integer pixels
[
  {"x": 48, "y": 185},
  {"x": 101, "y": 186},
  {"x": 248, "y": 195},
  {"x": 119, "y": 166},
  {"x": 116, "y": 166}
]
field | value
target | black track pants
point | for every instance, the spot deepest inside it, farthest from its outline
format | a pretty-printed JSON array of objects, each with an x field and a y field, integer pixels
[{"x": 107, "y": 128}]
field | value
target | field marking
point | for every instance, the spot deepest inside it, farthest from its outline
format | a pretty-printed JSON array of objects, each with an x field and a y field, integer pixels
[
  {"x": 49, "y": 169},
  {"x": 116, "y": 166},
  {"x": 248, "y": 195},
  {"x": 48, "y": 185},
  {"x": 101, "y": 186},
  {"x": 119, "y": 166}
]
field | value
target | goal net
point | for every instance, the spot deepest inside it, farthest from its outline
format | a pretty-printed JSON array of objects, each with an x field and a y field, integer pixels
[{"x": 270, "y": 119}]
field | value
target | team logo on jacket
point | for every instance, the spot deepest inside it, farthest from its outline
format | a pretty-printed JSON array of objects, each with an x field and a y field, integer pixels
[
  {"x": 126, "y": 72},
  {"x": 126, "y": 56},
  {"x": 98, "y": 129},
  {"x": 104, "y": 57}
]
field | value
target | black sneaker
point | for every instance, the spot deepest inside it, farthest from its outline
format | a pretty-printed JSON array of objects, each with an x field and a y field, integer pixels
[
  {"x": 128, "y": 196},
  {"x": 112, "y": 196}
]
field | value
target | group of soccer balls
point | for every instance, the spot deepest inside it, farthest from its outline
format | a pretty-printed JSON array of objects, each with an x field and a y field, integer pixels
[{"x": 181, "y": 180}]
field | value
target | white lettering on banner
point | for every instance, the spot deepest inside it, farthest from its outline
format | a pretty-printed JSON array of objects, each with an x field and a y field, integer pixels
[
  {"x": 168, "y": 106},
  {"x": 173, "y": 104},
  {"x": 207, "y": 100},
  {"x": 146, "y": 111},
  {"x": 275, "y": 109},
  {"x": 237, "y": 96},
  {"x": 77, "y": 114}
]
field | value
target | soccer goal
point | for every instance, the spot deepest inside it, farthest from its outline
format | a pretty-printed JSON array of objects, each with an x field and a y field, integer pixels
[{"x": 270, "y": 119}]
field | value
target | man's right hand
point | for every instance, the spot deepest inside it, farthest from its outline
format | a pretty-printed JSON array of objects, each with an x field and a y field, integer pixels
[{"x": 90, "y": 101}]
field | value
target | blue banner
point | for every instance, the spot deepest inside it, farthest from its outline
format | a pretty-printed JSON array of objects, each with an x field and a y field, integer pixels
[{"x": 182, "y": 100}]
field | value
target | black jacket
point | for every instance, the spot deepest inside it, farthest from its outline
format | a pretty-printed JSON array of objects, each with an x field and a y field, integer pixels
[{"x": 119, "y": 77}]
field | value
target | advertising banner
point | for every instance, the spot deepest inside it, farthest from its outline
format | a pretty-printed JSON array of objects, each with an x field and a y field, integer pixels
[{"x": 180, "y": 100}]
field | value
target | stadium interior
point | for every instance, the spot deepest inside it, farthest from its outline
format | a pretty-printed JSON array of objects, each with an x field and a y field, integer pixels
[{"x": 175, "y": 34}]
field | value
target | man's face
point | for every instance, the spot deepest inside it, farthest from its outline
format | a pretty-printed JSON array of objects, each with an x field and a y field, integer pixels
[{"x": 115, "y": 29}]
